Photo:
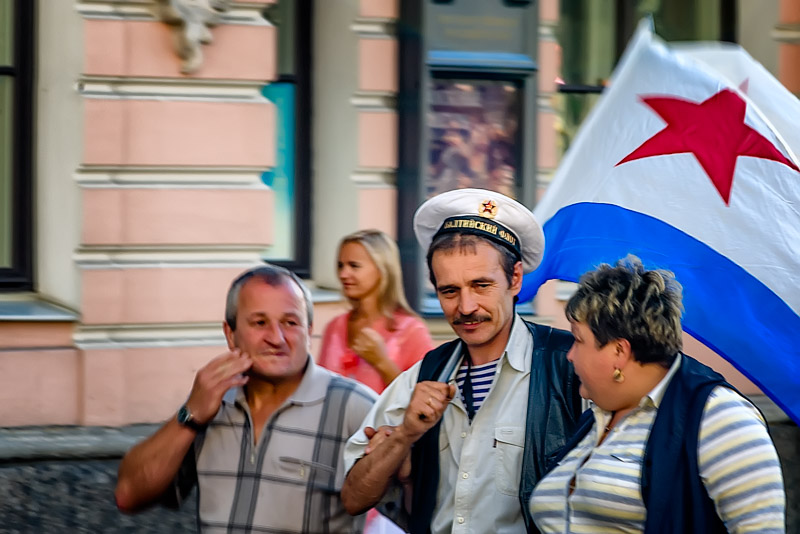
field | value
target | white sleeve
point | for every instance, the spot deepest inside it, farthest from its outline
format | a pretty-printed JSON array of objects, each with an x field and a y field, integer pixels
[{"x": 389, "y": 409}]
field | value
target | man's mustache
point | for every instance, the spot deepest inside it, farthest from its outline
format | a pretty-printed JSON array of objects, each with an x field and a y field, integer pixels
[{"x": 471, "y": 318}]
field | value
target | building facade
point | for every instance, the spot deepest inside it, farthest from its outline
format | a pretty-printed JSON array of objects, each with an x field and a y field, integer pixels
[{"x": 150, "y": 150}]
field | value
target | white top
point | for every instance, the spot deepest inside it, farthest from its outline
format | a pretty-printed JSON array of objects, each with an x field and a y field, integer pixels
[{"x": 479, "y": 464}]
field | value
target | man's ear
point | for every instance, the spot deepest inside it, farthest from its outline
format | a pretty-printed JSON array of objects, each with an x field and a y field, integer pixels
[
  {"x": 228, "y": 335},
  {"x": 516, "y": 278}
]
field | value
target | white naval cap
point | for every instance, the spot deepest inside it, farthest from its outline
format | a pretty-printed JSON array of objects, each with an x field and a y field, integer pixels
[{"x": 485, "y": 213}]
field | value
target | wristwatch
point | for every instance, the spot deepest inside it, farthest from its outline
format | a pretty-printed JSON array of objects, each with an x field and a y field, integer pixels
[{"x": 186, "y": 418}]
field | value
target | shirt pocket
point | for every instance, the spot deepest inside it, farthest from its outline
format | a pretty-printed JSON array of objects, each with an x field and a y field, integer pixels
[
  {"x": 297, "y": 469},
  {"x": 509, "y": 444}
]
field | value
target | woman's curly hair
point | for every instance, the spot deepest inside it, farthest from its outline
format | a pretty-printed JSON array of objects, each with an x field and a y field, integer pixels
[{"x": 629, "y": 302}]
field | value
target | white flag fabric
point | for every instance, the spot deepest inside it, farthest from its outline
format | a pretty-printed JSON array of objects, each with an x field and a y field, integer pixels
[{"x": 688, "y": 160}]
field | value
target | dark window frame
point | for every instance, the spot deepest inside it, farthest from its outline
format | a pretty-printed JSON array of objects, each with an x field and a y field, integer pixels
[
  {"x": 411, "y": 121},
  {"x": 300, "y": 264},
  {"x": 19, "y": 277}
]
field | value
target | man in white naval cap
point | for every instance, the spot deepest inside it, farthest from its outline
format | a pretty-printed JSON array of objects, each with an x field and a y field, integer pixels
[{"x": 466, "y": 433}]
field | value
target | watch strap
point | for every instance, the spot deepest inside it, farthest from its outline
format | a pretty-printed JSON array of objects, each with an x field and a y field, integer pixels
[{"x": 186, "y": 419}]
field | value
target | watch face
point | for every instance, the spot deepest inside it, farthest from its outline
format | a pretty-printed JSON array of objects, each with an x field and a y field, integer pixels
[{"x": 184, "y": 415}]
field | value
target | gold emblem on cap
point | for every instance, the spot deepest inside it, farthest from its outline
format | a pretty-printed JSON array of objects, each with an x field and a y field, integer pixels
[{"x": 488, "y": 209}]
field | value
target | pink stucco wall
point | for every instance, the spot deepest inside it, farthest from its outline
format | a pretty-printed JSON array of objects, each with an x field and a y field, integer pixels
[
  {"x": 377, "y": 208},
  {"x": 155, "y": 295},
  {"x": 377, "y": 139},
  {"x": 39, "y": 386},
  {"x": 145, "y": 48},
  {"x": 548, "y": 10},
  {"x": 167, "y": 132},
  {"x": 177, "y": 216},
  {"x": 138, "y": 385},
  {"x": 377, "y": 65},
  {"x": 379, "y": 8}
]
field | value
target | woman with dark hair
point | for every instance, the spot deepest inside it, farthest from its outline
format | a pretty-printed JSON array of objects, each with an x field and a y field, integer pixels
[{"x": 668, "y": 446}]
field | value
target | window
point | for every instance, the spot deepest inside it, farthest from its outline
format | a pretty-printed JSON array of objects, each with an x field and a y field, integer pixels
[
  {"x": 290, "y": 179},
  {"x": 474, "y": 137},
  {"x": 593, "y": 35},
  {"x": 16, "y": 77}
]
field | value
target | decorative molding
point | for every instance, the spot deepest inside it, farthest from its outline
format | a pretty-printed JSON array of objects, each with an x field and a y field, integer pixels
[
  {"x": 786, "y": 33},
  {"x": 170, "y": 89},
  {"x": 191, "y": 20},
  {"x": 547, "y": 31},
  {"x": 375, "y": 177},
  {"x": 374, "y": 100},
  {"x": 122, "y": 177},
  {"x": 544, "y": 177},
  {"x": 545, "y": 101},
  {"x": 374, "y": 27},
  {"x": 138, "y": 336},
  {"x": 244, "y": 13},
  {"x": 564, "y": 290},
  {"x": 173, "y": 256},
  {"x": 120, "y": 9}
]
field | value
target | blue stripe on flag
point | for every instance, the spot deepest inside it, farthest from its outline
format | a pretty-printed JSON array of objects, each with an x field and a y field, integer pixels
[{"x": 727, "y": 309}]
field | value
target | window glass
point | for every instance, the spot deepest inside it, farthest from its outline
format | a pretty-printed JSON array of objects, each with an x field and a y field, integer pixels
[
  {"x": 587, "y": 34},
  {"x": 7, "y": 32},
  {"x": 6, "y": 150},
  {"x": 593, "y": 34},
  {"x": 281, "y": 178},
  {"x": 474, "y": 136}
]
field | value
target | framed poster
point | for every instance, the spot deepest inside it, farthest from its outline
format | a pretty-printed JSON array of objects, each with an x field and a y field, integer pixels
[{"x": 473, "y": 135}]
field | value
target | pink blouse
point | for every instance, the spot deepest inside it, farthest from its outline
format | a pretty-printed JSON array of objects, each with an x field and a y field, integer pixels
[{"x": 405, "y": 347}]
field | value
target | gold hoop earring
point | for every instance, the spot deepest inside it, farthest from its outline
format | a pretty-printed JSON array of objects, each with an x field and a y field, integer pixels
[{"x": 619, "y": 378}]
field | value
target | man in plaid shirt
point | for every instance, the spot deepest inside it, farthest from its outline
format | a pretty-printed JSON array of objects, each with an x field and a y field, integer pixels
[{"x": 268, "y": 457}]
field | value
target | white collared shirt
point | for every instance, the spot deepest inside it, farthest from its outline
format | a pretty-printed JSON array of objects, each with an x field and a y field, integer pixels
[{"x": 479, "y": 464}]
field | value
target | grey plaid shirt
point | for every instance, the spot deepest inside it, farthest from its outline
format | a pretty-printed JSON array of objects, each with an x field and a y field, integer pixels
[{"x": 290, "y": 481}]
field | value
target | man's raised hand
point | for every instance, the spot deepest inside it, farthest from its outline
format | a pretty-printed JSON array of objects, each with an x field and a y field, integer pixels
[
  {"x": 212, "y": 381},
  {"x": 428, "y": 403}
]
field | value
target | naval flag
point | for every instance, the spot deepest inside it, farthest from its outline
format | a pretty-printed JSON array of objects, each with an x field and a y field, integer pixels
[{"x": 688, "y": 160}]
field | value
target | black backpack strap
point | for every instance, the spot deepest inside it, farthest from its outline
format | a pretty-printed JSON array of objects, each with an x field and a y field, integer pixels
[
  {"x": 425, "y": 452},
  {"x": 550, "y": 347}
]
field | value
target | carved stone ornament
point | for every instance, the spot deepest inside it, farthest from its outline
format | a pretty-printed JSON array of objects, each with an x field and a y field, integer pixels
[{"x": 191, "y": 20}]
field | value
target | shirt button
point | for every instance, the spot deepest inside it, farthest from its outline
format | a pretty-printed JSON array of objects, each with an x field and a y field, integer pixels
[
  {"x": 463, "y": 434},
  {"x": 465, "y": 475},
  {"x": 461, "y": 520}
]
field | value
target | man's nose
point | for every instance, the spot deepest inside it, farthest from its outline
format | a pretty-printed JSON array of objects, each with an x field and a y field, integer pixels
[
  {"x": 273, "y": 334},
  {"x": 467, "y": 303},
  {"x": 569, "y": 353}
]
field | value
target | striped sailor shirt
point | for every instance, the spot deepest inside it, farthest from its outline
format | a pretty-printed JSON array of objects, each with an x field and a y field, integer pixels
[
  {"x": 737, "y": 461},
  {"x": 290, "y": 481},
  {"x": 481, "y": 377}
]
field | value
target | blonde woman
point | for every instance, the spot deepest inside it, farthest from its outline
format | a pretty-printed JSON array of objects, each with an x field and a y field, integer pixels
[{"x": 380, "y": 336}]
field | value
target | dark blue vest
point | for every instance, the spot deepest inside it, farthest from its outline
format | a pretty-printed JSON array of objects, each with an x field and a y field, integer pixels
[{"x": 673, "y": 494}]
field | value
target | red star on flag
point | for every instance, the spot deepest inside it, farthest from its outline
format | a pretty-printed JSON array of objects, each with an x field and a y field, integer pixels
[{"x": 713, "y": 130}]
